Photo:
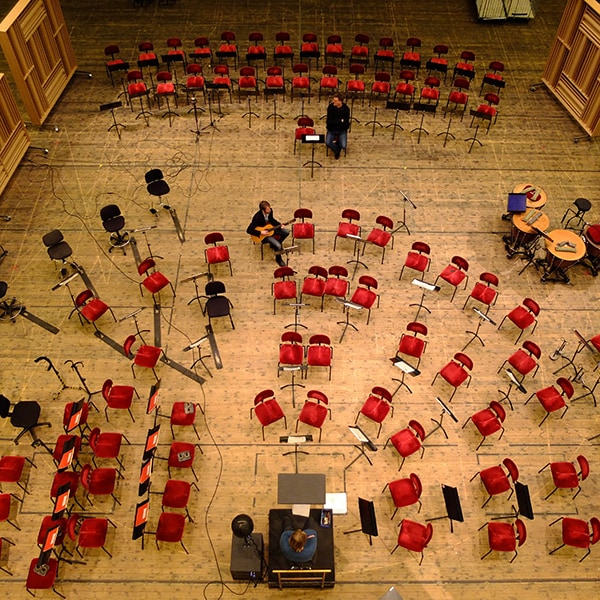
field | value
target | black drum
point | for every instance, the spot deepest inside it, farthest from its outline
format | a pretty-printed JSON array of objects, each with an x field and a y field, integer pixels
[{"x": 591, "y": 237}]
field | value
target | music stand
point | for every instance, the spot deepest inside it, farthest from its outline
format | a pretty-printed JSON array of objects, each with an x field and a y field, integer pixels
[
  {"x": 374, "y": 122},
  {"x": 405, "y": 368},
  {"x": 41, "y": 566},
  {"x": 483, "y": 318},
  {"x": 275, "y": 114},
  {"x": 439, "y": 423},
  {"x": 296, "y": 440},
  {"x": 250, "y": 113},
  {"x": 293, "y": 369},
  {"x": 423, "y": 107},
  {"x": 582, "y": 343},
  {"x": 313, "y": 140},
  {"x": 75, "y": 416},
  {"x": 364, "y": 440},
  {"x": 151, "y": 442},
  {"x": 453, "y": 507},
  {"x": 140, "y": 519},
  {"x": 513, "y": 382},
  {"x": 297, "y": 306},
  {"x": 153, "y": 399},
  {"x": 397, "y": 106},
  {"x": 347, "y": 304},
  {"x": 145, "y": 475},
  {"x": 523, "y": 500},
  {"x": 211, "y": 87},
  {"x": 368, "y": 520},
  {"x": 285, "y": 251},
  {"x": 446, "y": 133},
  {"x": 473, "y": 138},
  {"x": 402, "y": 224},
  {"x": 426, "y": 287},
  {"x": 356, "y": 253},
  {"x": 194, "y": 108},
  {"x": 111, "y": 106},
  {"x": 67, "y": 455},
  {"x": 201, "y": 356}
]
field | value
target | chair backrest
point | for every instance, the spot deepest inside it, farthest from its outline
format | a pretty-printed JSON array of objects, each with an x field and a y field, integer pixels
[
  {"x": 106, "y": 387},
  {"x": 319, "y": 338},
  {"x": 350, "y": 214},
  {"x": 421, "y": 247},
  {"x": 464, "y": 360},
  {"x": 496, "y": 65},
  {"x": 256, "y": 36},
  {"x": 153, "y": 175},
  {"x": 228, "y": 36},
  {"x": 52, "y": 238},
  {"x": 362, "y": 38},
  {"x": 73, "y": 526},
  {"x": 213, "y": 238},
  {"x": 194, "y": 69},
  {"x": 334, "y": 39},
  {"x": 247, "y": 71},
  {"x": 566, "y": 386},
  {"x": 489, "y": 278},
  {"x": 109, "y": 211},
  {"x": 382, "y": 76},
  {"x": 127, "y": 344},
  {"x": 282, "y": 36},
  {"x": 417, "y": 327},
  {"x": 368, "y": 281},
  {"x": 532, "y": 306},
  {"x": 460, "y": 262},
  {"x": 93, "y": 438},
  {"x": 492, "y": 98},
  {"x": 467, "y": 55},
  {"x": 385, "y": 222},
  {"x": 432, "y": 81},
  {"x": 462, "y": 83},
  {"x": 146, "y": 265},
  {"x": 595, "y": 525},
  {"x": 146, "y": 46},
  {"x": 521, "y": 531},
  {"x": 386, "y": 42},
  {"x": 318, "y": 396},
  {"x": 330, "y": 70},
  {"x": 512, "y": 468},
  {"x": 338, "y": 271},
  {"x": 86, "y": 472},
  {"x": 407, "y": 75},
  {"x": 417, "y": 483},
  {"x": 318, "y": 271},
  {"x": 356, "y": 69},
  {"x": 164, "y": 76},
  {"x": 261, "y": 396},
  {"x": 440, "y": 49},
  {"x": 429, "y": 535},
  {"x": 418, "y": 428},
  {"x": 283, "y": 272},
  {"x": 4, "y": 406},
  {"x": 584, "y": 467},
  {"x": 498, "y": 409},
  {"x": 305, "y": 122},
  {"x": 381, "y": 391},
  {"x": 303, "y": 213},
  {"x": 292, "y": 337},
  {"x": 532, "y": 348},
  {"x": 213, "y": 288},
  {"x": 83, "y": 297}
]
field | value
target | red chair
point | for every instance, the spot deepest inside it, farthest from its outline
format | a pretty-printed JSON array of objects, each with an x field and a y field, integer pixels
[
  {"x": 145, "y": 356},
  {"x": 456, "y": 372},
  {"x": 70, "y": 478},
  {"x": 11, "y": 470},
  {"x": 417, "y": 259},
  {"x": 315, "y": 410},
  {"x": 381, "y": 236},
  {"x": 154, "y": 280},
  {"x": 228, "y": 48},
  {"x": 48, "y": 523},
  {"x": 359, "y": 53},
  {"x": 458, "y": 96},
  {"x": 496, "y": 480},
  {"x": 303, "y": 229},
  {"x": 275, "y": 82},
  {"x": 364, "y": 295},
  {"x": 579, "y": 533},
  {"x": 115, "y": 63},
  {"x": 301, "y": 82},
  {"x": 181, "y": 456},
  {"x": 171, "y": 527},
  {"x": 465, "y": 67},
  {"x": 350, "y": 227},
  {"x": 202, "y": 50},
  {"x": 42, "y": 580},
  {"x": 90, "y": 308},
  {"x": 106, "y": 445},
  {"x": 137, "y": 89},
  {"x": 309, "y": 49},
  {"x": 314, "y": 283},
  {"x": 408, "y": 440},
  {"x": 381, "y": 87},
  {"x": 305, "y": 127},
  {"x": 5, "y": 509},
  {"x": 484, "y": 291},
  {"x": 177, "y": 495},
  {"x": 377, "y": 406},
  {"x": 411, "y": 344},
  {"x": 267, "y": 410},
  {"x": 334, "y": 49},
  {"x": 355, "y": 88},
  {"x": 494, "y": 77},
  {"x": 88, "y": 532},
  {"x": 291, "y": 354},
  {"x": 99, "y": 482},
  {"x": 506, "y": 537},
  {"x": 411, "y": 59},
  {"x": 414, "y": 536},
  {"x": 118, "y": 397},
  {"x": 439, "y": 62},
  {"x": 385, "y": 54},
  {"x": 165, "y": 88},
  {"x": 183, "y": 414},
  {"x": 524, "y": 360},
  {"x": 329, "y": 83},
  {"x": 247, "y": 83},
  {"x": 59, "y": 448},
  {"x": 430, "y": 92},
  {"x": 195, "y": 81},
  {"x": 216, "y": 254},
  {"x": 488, "y": 421},
  {"x": 285, "y": 288},
  {"x": 405, "y": 88},
  {"x": 455, "y": 273},
  {"x": 554, "y": 398},
  {"x": 566, "y": 476},
  {"x": 523, "y": 316},
  {"x": 256, "y": 51},
  {"x": 174, "y": 45},
  {"x": 487, "y": 112},
  {"x": 319, "y": 352},
  {"x": 405, "y": 492},
  {"x": 82, "y": 424},
  {"x": 221, "y": 82},
  {"x": 283, "y": 51},
  {"x": 337, "y": 284}
]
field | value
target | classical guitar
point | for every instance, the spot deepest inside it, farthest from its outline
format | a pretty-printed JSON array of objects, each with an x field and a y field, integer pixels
[{"x": 270, "y": 229}]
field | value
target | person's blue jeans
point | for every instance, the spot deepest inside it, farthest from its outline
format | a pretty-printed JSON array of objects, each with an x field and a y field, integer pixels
[{"x": 337, "y": 140}]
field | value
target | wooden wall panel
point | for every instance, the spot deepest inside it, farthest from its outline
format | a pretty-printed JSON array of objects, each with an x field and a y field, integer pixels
[
  {"x": 37, "y": 47},
  {"x": 14, "y": 139}
]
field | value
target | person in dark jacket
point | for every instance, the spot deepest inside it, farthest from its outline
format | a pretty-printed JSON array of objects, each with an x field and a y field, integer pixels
[
  {"x": 338, "y": 122},
  {"x": 268, "y": 229}
]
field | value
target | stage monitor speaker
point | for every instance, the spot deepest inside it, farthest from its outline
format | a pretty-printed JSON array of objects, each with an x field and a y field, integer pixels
[{"x": 247, "y": 557}]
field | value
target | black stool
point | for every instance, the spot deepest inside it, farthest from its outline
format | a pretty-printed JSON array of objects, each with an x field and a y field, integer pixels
[
  {"x": 583, "y": 205},
  {"x": 9, "y": 309}
]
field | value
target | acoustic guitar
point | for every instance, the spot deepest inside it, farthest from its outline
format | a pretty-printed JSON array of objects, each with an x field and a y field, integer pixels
[{"x": 270, "y": 229}]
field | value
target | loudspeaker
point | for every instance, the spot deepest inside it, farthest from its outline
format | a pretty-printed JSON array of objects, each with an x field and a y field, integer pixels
[{"x": 247, "y": 559}]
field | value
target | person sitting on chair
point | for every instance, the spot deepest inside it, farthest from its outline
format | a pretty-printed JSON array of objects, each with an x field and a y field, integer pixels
[
  {"x": 298, "y": 545},
  {"x": 265, "y": 224},
  {"x": 338, "y": 122}
]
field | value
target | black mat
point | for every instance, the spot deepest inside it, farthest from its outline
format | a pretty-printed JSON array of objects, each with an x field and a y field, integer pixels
[{"x": 324, "y": 557}]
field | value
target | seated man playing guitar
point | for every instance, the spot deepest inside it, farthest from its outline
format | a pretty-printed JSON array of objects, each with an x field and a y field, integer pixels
[{"x": 266, "y": 229}]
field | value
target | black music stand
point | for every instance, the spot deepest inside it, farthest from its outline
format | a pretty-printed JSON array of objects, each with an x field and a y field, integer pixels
[
  {"x": 140, "y": 519},
  {"x": 590, "y": 390},
  {"x": 250, "y": 113},
  {"x": 151, "y": 442},
  {"x": 373, "y": 122},
  {"x": 111, "y": 106},
  {"x": 67, "y": 455},
  {"x": 581, "y": 344},
  {"x": 453, "y": 507},
  {"x": 405, "y": 368},
  {"x": 423, "y": 107},
  {"x": 285, "y": 252},
  {"x": 297, "y": 306},
  {"x": 364, "y": 440},
  {"x": 275, "y": 115},
  {"x": 396, "y": 106},
  {"x": 169, "y": 59},
  {"x": 194, "y": 108},
  {"x": 149, "y": 62},
  {"x": 473, "y": 138},
  {"x": 193, "y": 278},
  {"x": 293, "y": 369},
  {"x": 153, "y": 400},
  {"x": 523, "y": 500},
  {"x": 201, "y": 356},
  {"x": 513, "y": 382},
  {"x": 296, "y": 440},
  {"x": 483, "y": 318},
  {"x": 426, "y": 287},
  {"x": 313, "y": 139},
  {"x": 446, "y": 133},
  {"x": 211, "y": 87},
  {"x": 402, "y": 224},
  {"x": 355, "y": 260},
  {"x": 368, "y": 520},
  {"x": 439, "y": 423},
  {"x": 347, "y": 305}
]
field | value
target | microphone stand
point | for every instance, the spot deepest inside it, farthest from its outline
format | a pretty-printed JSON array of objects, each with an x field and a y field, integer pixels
[
  {"x": 194, "y": 108},
  {"x": 403, "y": 224}
]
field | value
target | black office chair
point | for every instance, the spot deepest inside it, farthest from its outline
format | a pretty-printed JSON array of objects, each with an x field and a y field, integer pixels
[
  {"x": 11, "y": 308},
  {"x": 217, "y": 305},
  {"x": 114, "y": 222},
  {"x": 58, "y": 249},
  {"x": 5, "y": 405},
  {"x": 158, "y": 187}
]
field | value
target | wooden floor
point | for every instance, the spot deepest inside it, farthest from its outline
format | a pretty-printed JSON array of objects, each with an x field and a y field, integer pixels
[{"x": 216, "y": 183}]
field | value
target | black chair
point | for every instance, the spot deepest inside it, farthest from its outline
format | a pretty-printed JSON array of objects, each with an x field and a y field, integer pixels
[
  {"x": 58, "y": 249},
  {"x": 5, "y": 405},
  {"x": 217, "y": 305},
  {"x": 158, "y": 187},
  {"x": 26, "y": 416},
  {"x": 11, "y": 308},
  {"x": 114, "y": 222}
]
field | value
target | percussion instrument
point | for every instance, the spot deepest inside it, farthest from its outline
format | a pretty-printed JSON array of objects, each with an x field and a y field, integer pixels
[
  {"x": 591, "y": 235},
  {"x": 525, "y": 231},
  {"x": 564, "y": 248},
  {"x": 536, "y": 196}
]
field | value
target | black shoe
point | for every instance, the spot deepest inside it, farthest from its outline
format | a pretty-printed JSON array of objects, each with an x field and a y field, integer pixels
[
  {"x": 280, "y": 260},
  {"x": 337, "y": 156}
]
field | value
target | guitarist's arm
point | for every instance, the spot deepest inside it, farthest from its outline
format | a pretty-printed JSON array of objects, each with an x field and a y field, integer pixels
[{"x": 256, "y": 225}]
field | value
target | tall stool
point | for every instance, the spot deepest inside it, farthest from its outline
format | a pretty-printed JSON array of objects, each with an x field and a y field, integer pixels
[
  {"x": 9, "y": 309},
  {"x": 583, "y": 205}
]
